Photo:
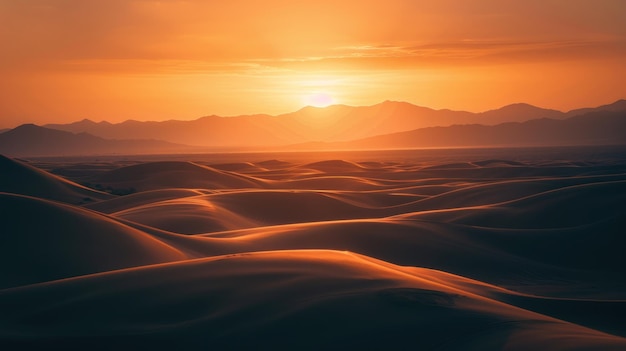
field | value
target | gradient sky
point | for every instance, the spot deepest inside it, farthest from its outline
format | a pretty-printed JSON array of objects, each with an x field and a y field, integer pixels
[{"x": 66, "y": 60}]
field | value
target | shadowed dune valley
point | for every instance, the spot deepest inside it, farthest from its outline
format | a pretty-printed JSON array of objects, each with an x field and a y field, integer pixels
[{"x": 443, "y": 249}]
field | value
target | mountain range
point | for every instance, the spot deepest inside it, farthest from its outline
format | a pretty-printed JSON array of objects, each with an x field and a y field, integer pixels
[
  {"x": 32, "y": 140},
  {"x": 592, "y": 128},
  {"x": 386, "y": 125},
  {"x": 329, "y": 124}
]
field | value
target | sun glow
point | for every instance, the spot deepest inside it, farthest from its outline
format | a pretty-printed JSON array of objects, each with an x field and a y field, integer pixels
[{"x": 319, "y": 99}]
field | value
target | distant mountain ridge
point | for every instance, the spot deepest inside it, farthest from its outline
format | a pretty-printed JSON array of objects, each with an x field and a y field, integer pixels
[
  {"x": 335, "y": 123},
  {"x": 381, "y": 126},
  {"x": 32, "y": 140},
  {"x": 592, "y": 128}
]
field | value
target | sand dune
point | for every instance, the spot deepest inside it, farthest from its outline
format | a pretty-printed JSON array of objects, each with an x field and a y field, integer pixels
[
  {"x": 187, "y": 216},
  {"x": 197, "y": 213},
  {"x": 21, "y": 178},
  {"x": 523, "y": 260},
  {"x": 288, "y": 299},
  {"x": 335, "y": 166},
  {"x": 566, "y": 206},
  {"x": 142, "y": 198},
  {"x": 43, "y": 241},
  {"x": 272, "y": 164},
  {"x": 471, "y": 254},
  {"x": 240, "y": 167},
  {"x": 494, "y": 192},
  {"x": 173, "y": 174}
]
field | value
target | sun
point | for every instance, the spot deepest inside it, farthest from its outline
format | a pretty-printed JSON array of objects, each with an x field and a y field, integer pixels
[{"x": 319, "y": 99}]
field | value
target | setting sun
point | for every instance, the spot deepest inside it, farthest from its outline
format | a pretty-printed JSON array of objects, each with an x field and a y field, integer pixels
[{"x": 319, "y": 99}]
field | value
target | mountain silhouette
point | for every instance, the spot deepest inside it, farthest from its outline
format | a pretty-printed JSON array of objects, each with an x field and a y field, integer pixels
[
  {"x": 390, "y": 124},
  {"x": 619, "y": 105},
  {"x": 33, "y": 140},
  {"x": 328, "y": 124},
  {"x": 593, "y": 128},
  {"x": 519, "y": 112}
]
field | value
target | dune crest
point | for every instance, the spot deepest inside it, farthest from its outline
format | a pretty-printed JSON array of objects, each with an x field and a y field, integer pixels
[
  {"x": 173, "y": 174},
  {"x": 21, "y": 178},
  {"x": 44, "y": 241},
  {"x": 302, "y": 290}
]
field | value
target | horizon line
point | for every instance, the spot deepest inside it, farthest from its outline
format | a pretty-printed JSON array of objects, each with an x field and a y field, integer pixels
[{"x": 86, "y": 119}]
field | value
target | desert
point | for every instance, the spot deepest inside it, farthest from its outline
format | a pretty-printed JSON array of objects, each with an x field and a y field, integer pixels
[{"x": 441, "y": 175}]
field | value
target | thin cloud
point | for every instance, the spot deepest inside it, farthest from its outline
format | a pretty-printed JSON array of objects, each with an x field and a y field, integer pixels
[{"x": 455, "y": 54}]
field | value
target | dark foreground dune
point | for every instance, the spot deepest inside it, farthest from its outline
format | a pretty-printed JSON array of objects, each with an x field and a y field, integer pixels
[{"x": 470, "y": 254}]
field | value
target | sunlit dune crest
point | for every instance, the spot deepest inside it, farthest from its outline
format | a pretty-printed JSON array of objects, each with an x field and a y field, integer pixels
[
  {"x": 405, "y": 304},
  {"x": 481, "y": 252}
]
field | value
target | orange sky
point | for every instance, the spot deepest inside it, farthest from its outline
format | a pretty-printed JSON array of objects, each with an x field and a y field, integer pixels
[{"x": 113, "y": 60}]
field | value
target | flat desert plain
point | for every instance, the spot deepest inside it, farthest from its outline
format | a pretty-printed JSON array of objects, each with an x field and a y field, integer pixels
[{"x": 509, "y": 249}]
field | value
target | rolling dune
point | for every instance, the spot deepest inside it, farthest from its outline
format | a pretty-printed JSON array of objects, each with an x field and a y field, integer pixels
[
  {"x": 21, "y": 178},
  {"x": 305, "y": 299},
  {"x": 471, "y": 254},
  {"x": 173, "y": 174},
  {"x": 44, "y": 241}
]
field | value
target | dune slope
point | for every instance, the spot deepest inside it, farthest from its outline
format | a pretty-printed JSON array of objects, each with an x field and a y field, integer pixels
[
  {"x": 43, "y": 240},
  {"x": 173, "y": 174},
  {"x": 21, "y": 178},
  {"x": 285, "y": 300}
]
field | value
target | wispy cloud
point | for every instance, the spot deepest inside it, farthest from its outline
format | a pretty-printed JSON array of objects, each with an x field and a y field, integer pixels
[{"x": 454, "y": 54}]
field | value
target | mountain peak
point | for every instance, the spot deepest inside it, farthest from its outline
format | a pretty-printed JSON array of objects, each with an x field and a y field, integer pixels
[
  {"x": 619, "y": 105},
  {"x": 520, "y": 112},
  {"x": 519, "y": 106},
  {"x": 86, "y": 122},
  {"x": 42, "y": 141},
  {"x": 27, "y": 126},
  {"x": 31, "y": 129},
  {"x": 393, "y": 102}
]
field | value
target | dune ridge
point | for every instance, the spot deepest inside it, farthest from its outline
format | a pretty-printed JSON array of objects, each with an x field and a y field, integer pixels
[
  {"x": 67, "y": 241},
  {"x": 474, "y": 254},
  {"x": 173, "y": 174},
  {"x": 22, "y": 178},
  {"x": 301, "y": 287}
]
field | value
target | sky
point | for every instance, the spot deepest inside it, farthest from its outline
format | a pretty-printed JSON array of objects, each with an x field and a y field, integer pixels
[{"x": 66, "y": 60}]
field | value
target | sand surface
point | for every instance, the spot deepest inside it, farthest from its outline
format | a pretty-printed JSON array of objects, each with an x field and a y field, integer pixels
[{"x": 464, "y": 252}]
